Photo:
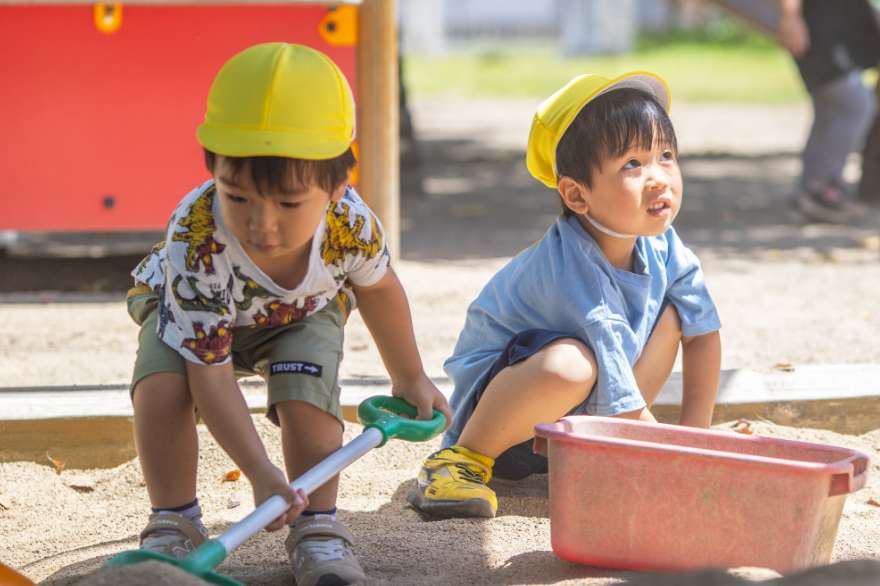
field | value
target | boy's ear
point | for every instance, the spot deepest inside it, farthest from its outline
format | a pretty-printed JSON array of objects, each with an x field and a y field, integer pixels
[{"x": 574, "y": 195}]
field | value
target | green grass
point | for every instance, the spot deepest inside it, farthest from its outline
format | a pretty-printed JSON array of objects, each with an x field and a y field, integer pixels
[{"x": 720, "y": 64}]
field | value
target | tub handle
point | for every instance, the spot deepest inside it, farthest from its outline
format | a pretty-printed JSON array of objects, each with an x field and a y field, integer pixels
[
  {"x": 853, "y": 479},
  {"x": 539, "y": 445}
]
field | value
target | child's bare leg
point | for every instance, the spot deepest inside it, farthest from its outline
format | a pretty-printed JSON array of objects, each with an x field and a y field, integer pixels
[
  {"x": 540, "y": 389},
  {"x": 166, "y": 439},
  {"x": 643, "y": 414},
  {"x": 308, "y": 435},
  {"x": 701, "y": 362},
  {"x": 654, "y": 366}
]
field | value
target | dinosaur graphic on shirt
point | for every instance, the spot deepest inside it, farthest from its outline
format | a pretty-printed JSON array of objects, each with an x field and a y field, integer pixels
[
  {"x": 342, "y": 239},
  {"x": 218, "y": 302},
  {"x": 199, "y": 234},
  {"x": 250, "y": 289},
  {"x": 281, "y": 314},
  {"x": 211, "y": 347},
  {"x": 142, "y": 266},
  {"x": 165, "y": 315},
  {"x": 344, "y": 303}
]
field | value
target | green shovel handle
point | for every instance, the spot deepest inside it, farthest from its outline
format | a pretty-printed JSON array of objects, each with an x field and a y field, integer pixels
[{"x": 392, "y": 416}]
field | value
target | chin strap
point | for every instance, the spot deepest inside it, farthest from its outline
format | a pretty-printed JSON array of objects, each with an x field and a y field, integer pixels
[{"x": 607, "y": 231}]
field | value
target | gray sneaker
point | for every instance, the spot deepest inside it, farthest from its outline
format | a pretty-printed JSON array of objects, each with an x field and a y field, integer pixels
[
  {"x": 828, "y": 205},
  {"x": 172, "y": 534},
  {"x": 320, "y": 554}
]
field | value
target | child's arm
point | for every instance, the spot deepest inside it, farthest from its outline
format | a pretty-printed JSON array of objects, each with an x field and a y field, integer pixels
[
  {"x": 793, "y": 33},
  {"x": 386, "y": 312},
  {"x": 701, "y": 366},
  {"x": 221, "y": 404}
]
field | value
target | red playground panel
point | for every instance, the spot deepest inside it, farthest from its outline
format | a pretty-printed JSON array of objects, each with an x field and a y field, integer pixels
[{"x": 99, "y": 125}]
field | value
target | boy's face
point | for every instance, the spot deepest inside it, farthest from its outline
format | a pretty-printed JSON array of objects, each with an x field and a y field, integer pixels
[
  {"x": 273, "y": 226},
  {"x": 636, "y": 193}
]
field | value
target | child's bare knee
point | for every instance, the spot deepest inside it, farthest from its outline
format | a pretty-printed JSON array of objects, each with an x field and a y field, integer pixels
[
  {"x": 570, "y": 362},
  {"x": 164, "y": 389}
]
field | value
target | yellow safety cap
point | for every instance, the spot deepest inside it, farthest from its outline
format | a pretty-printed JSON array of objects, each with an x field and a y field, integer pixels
[
  {"x": 556, "y": 113},
  {"x": 279, "y": 100}
]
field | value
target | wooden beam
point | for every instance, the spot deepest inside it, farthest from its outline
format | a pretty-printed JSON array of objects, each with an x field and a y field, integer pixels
[
  {"x": 378, "y": 115},
  {"x": 90, "y": 425}
]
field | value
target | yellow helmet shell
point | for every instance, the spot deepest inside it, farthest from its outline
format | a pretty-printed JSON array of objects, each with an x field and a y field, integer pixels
[{"x": 281, "y": 100}]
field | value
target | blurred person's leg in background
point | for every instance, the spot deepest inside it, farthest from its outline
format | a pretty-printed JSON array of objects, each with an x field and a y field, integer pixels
[
  {"x": 869, "y": 186},
  {"x": 409, "y": 146},
  {"x": 832, "y": 43},
  {"x": 842, "y": 112}
]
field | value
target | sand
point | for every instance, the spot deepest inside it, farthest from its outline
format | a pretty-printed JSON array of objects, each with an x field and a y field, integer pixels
[{"x": 59, "y": 534}]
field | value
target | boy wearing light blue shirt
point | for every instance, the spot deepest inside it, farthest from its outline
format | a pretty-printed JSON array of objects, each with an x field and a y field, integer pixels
[{"x": 589, "y": 319}]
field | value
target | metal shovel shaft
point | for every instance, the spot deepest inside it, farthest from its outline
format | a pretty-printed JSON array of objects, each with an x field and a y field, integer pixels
[{"x": 315, "y": 478}]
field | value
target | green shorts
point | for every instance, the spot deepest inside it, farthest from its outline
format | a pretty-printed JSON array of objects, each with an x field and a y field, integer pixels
[{"x": 299, "y": 361}]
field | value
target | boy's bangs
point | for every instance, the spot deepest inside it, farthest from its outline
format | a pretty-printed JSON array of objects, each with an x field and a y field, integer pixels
[
  {"x": 274, "y": 174},
  {"x": 287, "y": 175},
  {"x": 280, "y": 175},
  {"x": 636, "y": 124}
]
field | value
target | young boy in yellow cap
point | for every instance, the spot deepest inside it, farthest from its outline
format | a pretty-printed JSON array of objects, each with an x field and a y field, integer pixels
[
  {"x": 589, "y": 319},
  {"x": 258, "y": 272}
]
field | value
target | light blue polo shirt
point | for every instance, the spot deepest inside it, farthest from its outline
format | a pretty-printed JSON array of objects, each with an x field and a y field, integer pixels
[{"x": 564, "y": 283}]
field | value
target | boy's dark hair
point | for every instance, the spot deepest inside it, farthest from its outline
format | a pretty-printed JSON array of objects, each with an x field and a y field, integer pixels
[
  {"x": 289, "y": 175},
  {"x": 609, "y": 126}
]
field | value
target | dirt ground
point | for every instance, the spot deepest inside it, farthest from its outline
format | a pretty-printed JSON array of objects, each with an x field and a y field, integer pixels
[
  {"x": 787, "y": 291},
  {"x": 56, "y": 534}
]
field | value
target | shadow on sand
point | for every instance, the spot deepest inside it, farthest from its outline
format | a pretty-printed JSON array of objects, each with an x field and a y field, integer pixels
[{"x": 461, "y": 201}]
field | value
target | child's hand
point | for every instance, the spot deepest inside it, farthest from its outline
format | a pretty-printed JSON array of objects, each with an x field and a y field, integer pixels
[
  {"x": 424, "y": 396},
  {"x": 270, "y": 481},
  {"x": 298, "y": 505}
]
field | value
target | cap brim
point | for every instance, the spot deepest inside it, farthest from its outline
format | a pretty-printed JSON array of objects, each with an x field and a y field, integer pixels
[
  {"x": 246, "y": 142},
  {"x": 643, "y": 81}
]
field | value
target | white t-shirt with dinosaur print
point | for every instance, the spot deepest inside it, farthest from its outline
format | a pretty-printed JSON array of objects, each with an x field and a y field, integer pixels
[{"x": 207, "y": 284}]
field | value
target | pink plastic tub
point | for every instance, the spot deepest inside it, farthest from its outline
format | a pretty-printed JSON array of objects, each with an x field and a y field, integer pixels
[{"x": 635, "y": 495}]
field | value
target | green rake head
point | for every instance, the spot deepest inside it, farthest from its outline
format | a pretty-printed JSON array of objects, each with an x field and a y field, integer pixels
[{"x": 200, "y": 563}]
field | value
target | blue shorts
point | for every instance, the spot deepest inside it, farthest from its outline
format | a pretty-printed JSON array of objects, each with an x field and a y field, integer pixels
[{"x": 520, "y": 461}]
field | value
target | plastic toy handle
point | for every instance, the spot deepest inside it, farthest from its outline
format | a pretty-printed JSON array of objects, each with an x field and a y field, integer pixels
[
  {"x": 539, "y": 445},
  {"x": 394, "y": 418},
  {"x": 854, "y": 479}
]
